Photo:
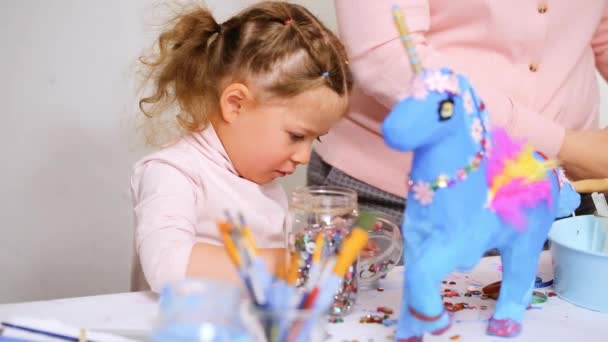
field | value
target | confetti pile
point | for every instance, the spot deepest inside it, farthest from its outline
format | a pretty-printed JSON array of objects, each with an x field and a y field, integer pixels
[{"x": 383, "y": 317}]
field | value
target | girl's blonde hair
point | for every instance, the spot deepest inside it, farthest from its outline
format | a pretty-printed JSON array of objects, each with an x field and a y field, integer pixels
[{"x": 282, "y": 46}]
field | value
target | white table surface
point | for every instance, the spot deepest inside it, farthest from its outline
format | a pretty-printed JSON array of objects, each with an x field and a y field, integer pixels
[{"x": 133, "y": 314}]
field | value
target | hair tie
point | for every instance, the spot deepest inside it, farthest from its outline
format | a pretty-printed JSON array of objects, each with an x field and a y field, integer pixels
[
  {"x": 325, "y": 74},
  {"x": 288, "y": 22}
]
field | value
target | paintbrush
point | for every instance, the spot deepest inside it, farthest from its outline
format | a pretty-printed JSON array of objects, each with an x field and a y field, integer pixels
[
  {"x": 351, "y": 247},
  {"x": 315, "y": 268},
  {"x": 586, "y": 186},
  {"x": 250, "y": 267},
  {"x": 322, "y": 296}
]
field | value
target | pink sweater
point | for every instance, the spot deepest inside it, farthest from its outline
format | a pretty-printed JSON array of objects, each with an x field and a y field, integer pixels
[
  {"x": 533, "y": 65},
  {"x": 180, "y": 193}
]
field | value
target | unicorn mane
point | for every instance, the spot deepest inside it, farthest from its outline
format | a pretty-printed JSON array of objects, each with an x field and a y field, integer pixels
[{"x": 516, "y": 179}]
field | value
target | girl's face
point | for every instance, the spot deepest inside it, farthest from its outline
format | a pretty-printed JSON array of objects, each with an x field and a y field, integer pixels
[{"x": 267, "y": 138}]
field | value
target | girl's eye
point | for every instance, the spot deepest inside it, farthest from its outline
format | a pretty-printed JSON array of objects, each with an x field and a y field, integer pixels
[{"x": 296, "y": 137}]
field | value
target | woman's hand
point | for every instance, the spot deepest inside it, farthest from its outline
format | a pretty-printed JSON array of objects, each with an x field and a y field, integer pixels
[{"x": 584, "y": 154}]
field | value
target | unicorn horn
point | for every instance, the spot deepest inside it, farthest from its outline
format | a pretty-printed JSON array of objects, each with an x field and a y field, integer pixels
[{"x": 406, "y": 39}]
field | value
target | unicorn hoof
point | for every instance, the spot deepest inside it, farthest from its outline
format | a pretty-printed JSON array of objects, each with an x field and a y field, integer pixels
[
  {"x": 440, "y": 331},
  {"x": 410, "y": 339},
  {"x": 503, "y": 327}
]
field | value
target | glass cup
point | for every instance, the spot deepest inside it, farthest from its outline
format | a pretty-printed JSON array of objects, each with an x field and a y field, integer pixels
[
  {"x": 388, "y": 244},
  {"x": 200, "y": 311}
]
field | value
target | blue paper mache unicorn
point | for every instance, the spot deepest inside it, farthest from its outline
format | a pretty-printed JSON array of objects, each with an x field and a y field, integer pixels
[{"x": 471, "y": 189}]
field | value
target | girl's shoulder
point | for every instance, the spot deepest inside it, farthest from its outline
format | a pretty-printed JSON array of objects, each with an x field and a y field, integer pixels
[{"x": 177, "y": 157}]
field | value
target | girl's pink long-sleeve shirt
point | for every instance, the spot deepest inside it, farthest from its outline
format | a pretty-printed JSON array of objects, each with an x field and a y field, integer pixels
[{"x": 179, "y": 195}]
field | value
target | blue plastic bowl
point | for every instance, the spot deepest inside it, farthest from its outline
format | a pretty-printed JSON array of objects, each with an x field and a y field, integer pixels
[{"x": 579, "y": 246}]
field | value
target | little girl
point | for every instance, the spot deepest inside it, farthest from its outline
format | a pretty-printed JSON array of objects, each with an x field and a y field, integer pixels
[{"x": 251, "y": 95}]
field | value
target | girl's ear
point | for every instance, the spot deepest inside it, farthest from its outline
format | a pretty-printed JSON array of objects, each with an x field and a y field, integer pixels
[{"x": 235, "y": 98}]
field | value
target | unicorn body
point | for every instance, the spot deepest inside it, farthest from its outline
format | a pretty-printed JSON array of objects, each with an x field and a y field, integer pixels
[{"x": 471, "y": 190}]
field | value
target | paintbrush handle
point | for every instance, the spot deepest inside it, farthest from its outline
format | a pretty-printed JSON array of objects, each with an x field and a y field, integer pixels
[
  {"x": 319, "y": 242},
  {"x": 229, "y": 244},
  {"x": 351, "y": 247},
  {"x": 294, "y": 269},
  {"x": 587, "y": 186},
  {"x": 250, "y": 240}
]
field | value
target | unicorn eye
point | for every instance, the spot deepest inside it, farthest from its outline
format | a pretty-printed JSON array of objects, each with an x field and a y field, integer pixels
[{"x": 446, "y": 109}]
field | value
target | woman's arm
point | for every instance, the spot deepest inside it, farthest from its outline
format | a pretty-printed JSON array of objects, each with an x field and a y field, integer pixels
[
  {"x": 382, "y": 70},
  {"x": 584, "y": 154}
]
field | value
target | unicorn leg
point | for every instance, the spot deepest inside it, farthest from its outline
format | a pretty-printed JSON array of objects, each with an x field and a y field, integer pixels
[
  {"x": 520, "y": 262},
  {"x": 411, "y": 329},
  {"x": 423, "y": 277},
  {"x": 407, "y": 327},
  {"x": 440, "y": 254},
  {"x": 515, "y": 293}
]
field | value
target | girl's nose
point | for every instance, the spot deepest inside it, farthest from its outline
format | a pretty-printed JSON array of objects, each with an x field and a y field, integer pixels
[{"x": 302, "y": 155}]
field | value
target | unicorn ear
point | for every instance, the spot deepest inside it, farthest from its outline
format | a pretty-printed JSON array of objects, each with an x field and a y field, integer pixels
[
  {"x": 476, "y": 97},
  {"x": 465, "y": 86}
]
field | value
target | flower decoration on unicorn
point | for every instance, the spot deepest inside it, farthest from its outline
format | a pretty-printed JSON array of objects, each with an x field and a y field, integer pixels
[{"x": 472, "y": 189}]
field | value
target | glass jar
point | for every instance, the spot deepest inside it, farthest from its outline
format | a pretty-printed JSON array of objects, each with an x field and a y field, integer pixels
[{"x": 333, "y": 212}]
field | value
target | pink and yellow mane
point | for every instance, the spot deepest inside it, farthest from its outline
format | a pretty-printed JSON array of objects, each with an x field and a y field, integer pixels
[{"x": 516, "y": 179}]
